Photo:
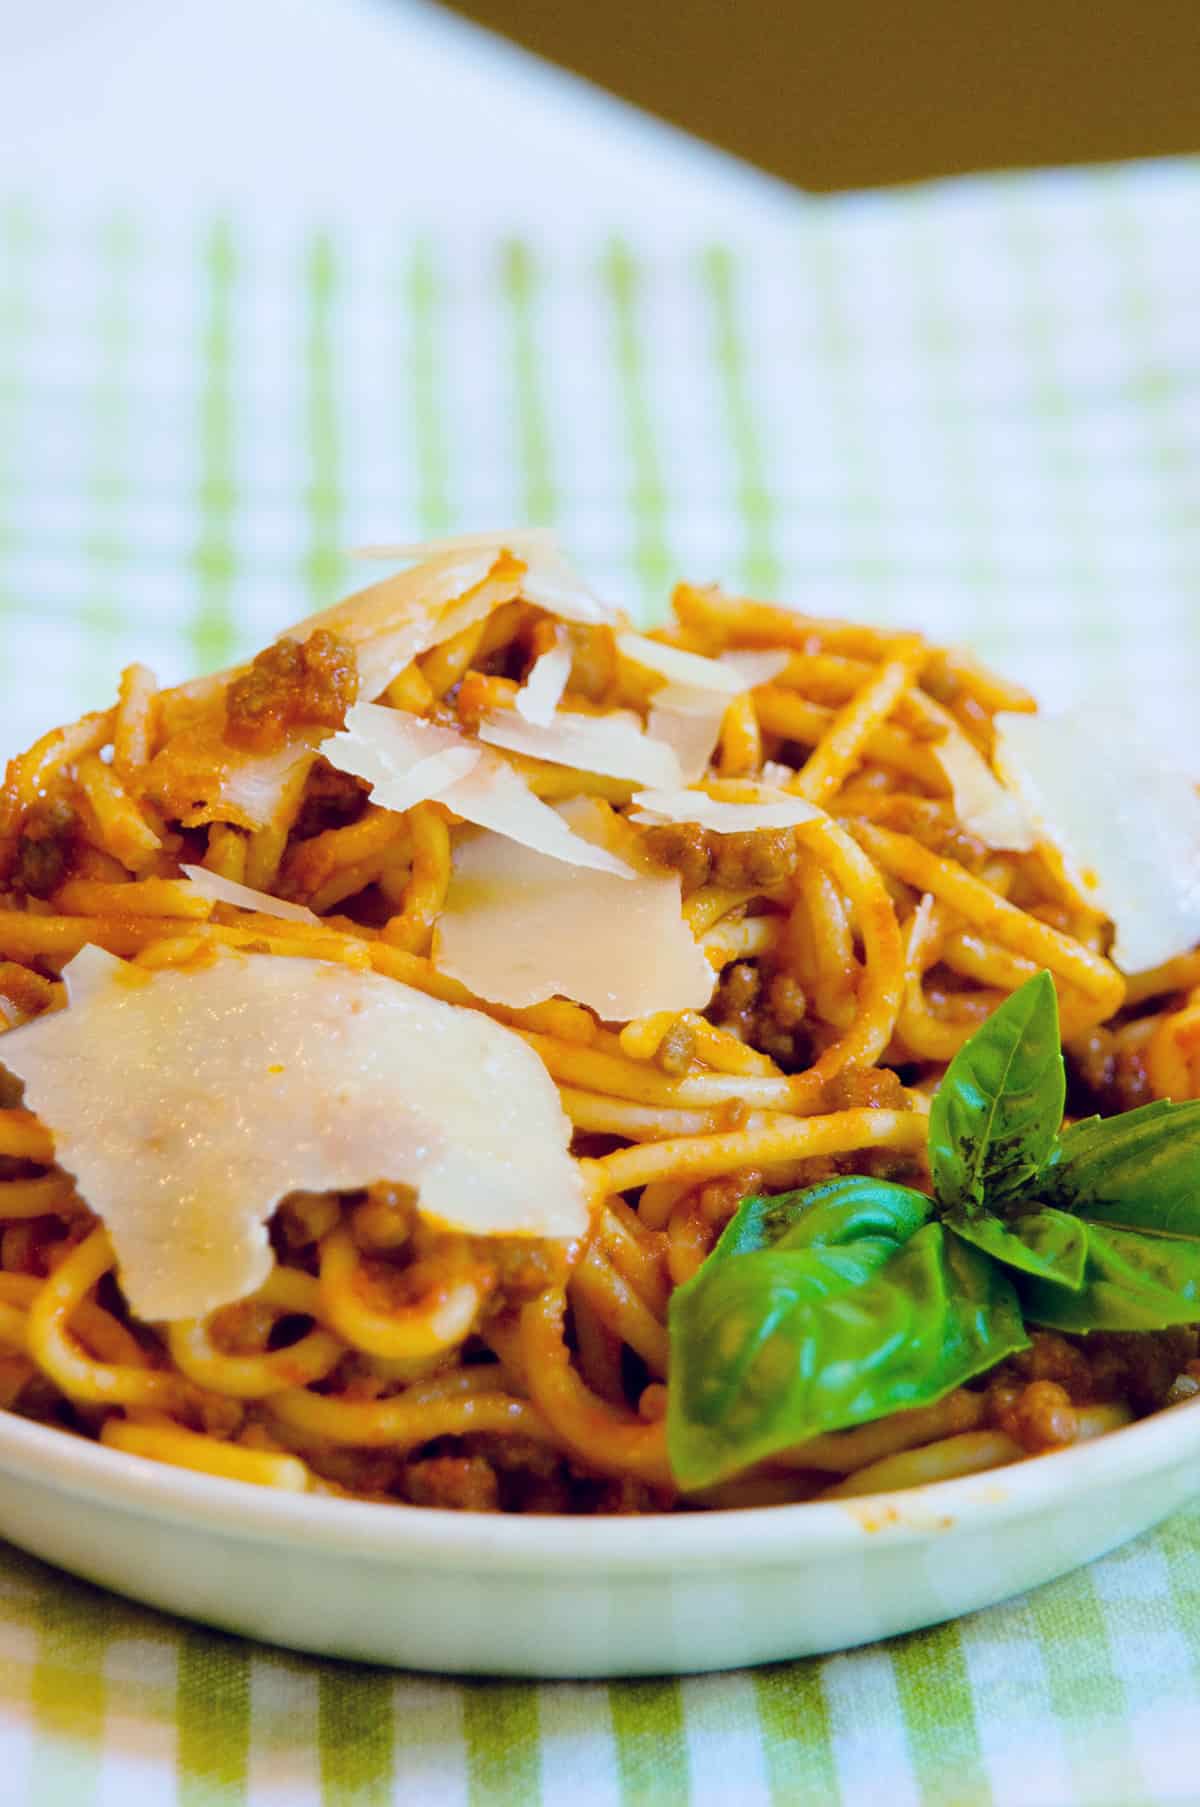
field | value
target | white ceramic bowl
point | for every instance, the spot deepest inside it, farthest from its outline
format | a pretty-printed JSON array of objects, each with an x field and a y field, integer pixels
[{"x": 460, "y": 1593}]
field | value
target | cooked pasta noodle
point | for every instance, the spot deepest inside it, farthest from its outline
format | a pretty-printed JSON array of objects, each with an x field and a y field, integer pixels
[{"x": 852, "y": 955}]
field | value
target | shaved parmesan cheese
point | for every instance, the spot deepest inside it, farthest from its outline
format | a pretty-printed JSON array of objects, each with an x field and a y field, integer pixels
[
  {"x": 689, "y": 723},
  {"x": 415, "y": 596},
  {"x": 729, "y": 675},
  {"x": 983, "y": 805},
  {"x": 224, "y": 1087},
  {"x": 777, "y": 810},
  {"x": 408, "y": 761},
  {"x": 549, "y": 582},
  {"x": 688, "y": 715},
  {"x": 200, "y": 777},
  {"x": 755, "y": 668},
  {"x": 518, "y": 540},
  {"x": 518, "y": 928},
  {"x": 613, "y": 746},
  {"x": 677, "y": 666},
  {"x": 199, "y": 700},
  {"x": 494, "y": 796},
  {"x": 256, "y": 790},
  {"x": 245, "y": 897},
  {"x": 542, "y": 691},
  {"x": 391, "y": 623},
  {"x": 1125, "y": 820}
]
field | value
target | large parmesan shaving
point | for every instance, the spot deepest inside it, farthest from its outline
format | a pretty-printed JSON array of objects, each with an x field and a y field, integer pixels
[
  {"x": 776, "y": 810},
  {"x": 518, "y": 928},
  {"x": 612, "y": 746},
  {"x": 407, "y": 761},
  {"x": 1126, "y": 821},
  {"x": 983, "y": 805},
  {"x": 245, "y": 897},
  {"x": 188, "y": 1103},
  {"x": 542, "y": 691}
]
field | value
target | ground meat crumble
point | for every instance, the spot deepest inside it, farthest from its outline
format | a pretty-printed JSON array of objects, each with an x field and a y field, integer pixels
[
  {"x": 313, "y": 682},
  {"x": 767, "y": 1011},
  {"x": 737, "y": 862},
  {"x": 1104, "y": 1076},
  {"x": 1036, "y": 1394},
  {"x": 46, "y": 848}
]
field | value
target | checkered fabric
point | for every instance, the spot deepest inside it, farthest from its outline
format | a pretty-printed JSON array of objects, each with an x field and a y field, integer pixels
[{"x": 974, "y": 408}]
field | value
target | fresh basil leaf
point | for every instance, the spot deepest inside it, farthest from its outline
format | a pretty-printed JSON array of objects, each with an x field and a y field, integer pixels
[
  {"x": 980, "y": 1310},
  {"x": 776, "y": 1346},
  {"x": 835, "y": 1211},
  {"x": 1049, "y": 1244},
  {"x": 1140, "y": 1170},
  {"x": 1131, "y": 1281},
  {"x": 745, "y": 1339},
  {"x": 998, "y": 1110},
  {"x": 844, "y": 1209}
]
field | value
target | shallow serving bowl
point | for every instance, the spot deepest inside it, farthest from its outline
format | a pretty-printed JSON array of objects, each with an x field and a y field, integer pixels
[{"x": 459, "y": 1593}]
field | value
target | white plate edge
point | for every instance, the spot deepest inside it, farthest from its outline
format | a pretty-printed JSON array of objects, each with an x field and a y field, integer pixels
[{"x": 755, "y": 1536}]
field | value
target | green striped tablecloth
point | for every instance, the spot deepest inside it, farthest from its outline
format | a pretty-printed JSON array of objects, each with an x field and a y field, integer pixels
[{"x": 974, "y": 408}]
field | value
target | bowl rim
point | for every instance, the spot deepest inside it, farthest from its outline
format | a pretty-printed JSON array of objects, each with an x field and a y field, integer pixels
[{"x": 755, "y": 1537}]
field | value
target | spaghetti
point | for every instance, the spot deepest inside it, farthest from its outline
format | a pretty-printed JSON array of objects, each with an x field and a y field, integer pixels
[{"x": 851, "y": 954}]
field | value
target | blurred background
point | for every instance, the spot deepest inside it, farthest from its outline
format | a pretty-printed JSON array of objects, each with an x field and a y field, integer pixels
[
  {"x": 280, "y": 277},
  {"x": 865, "y": 93}
]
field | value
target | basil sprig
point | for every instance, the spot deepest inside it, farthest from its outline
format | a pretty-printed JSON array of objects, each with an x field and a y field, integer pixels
[
  {"x": 823, "y": 1308},
  {"x": 829, "y": 1307}
]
